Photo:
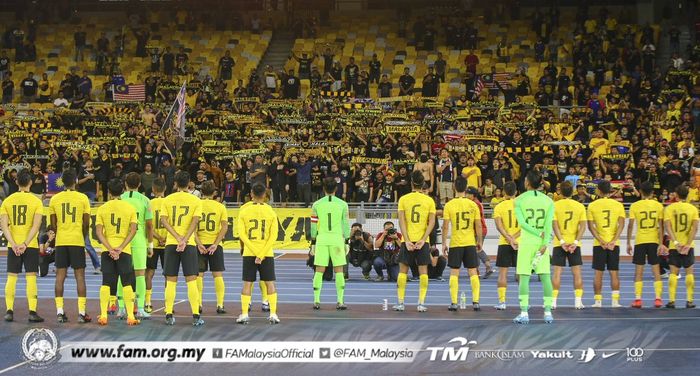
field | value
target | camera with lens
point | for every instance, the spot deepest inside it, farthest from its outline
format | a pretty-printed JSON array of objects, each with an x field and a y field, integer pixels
[
  {"x": 391, "y": 231},
  {"x": 357, "y": 234}
]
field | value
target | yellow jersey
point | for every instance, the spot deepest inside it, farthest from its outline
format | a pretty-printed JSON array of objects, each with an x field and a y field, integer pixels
[
  {"x": 257, "y": 227},
  {"x": 213, "y": 213},
  {"x": 473, "y": 179},
  {"x": 506, "y": 212},
  {"x": 463, "y": 214},
  {"x": 116, "y": 217},
  {"x": 417, "y": 207},
  {"x": 569, "y": 214},
  {"x": 648, "y": 214},
  {"x": 20, "y": 209},
  {"x": 69, "y": 207},
  {"x": 602, "y": 147},
  {"x": 681, "y": 215},
  {"x": 605, "y": 212},
  {"x": 180, "y": 209},
  {"x": 157, "y": 226}
]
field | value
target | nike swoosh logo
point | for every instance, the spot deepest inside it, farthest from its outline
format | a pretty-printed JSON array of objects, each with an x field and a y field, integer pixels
[{"x": 606, "y": 356}]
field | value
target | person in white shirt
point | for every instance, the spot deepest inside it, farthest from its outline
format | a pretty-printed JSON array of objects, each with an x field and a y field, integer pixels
[{"x": 61, "y": 101}]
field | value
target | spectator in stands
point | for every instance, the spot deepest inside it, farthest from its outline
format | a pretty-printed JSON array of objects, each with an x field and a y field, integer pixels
[
  {"x": 226, "y": 64},
  {"x": 351, "y": 73},
  {"x": 361, "y": 249},
  {"x": 79, "y": 39},
  {"x": 8, "y": 88},
  {"x": 45, "y": 90},
  {"x": 387, "y": 244},
  {"x": 303, "y": 178},
  {"x": 473, "y": 194},
  {"x": 375, "y": 68},
  {"x": 4, "y": 65},
  {"x": 445, "y": 172},
  {"x": 168, "y": 62},
  {"x": 406, "y": 83},
  {"x": 384, "y": 87},
  {"x": 29, "y": 88},
  {"x": 291, "y": 88},
  {"x": 305, "y": 62},
  {"x": 431, "y": 84},
  {"x": 440, "y": 67},
  {"x": 472, "y": 62}
]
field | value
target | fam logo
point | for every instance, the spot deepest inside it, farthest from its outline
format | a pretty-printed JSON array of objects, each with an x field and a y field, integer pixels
[
  {"x": 40, "y": 347},
  {"x": 452, "y": 353}
]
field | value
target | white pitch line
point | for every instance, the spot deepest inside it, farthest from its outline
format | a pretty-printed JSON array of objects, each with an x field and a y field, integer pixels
[
  {"x": 452, "y": 319},
  {"x": 26, "y": 361}
]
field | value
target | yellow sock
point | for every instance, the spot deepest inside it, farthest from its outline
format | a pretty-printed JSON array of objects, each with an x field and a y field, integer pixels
[
  {"x": 598, "y": 297},
  {"x": 616, "y": 296},
  {"x": 193, "y": 296},
  {"x": 272, "y": 298},
  {"x": 689, "y": 286},
  {"x": 578, "y": 293},
  {"x": 170, "y": 290},
  {"x": 31, "y": 292},
  {"x": 59, "y": 304},
  {"x": 263, "y": 291},
  {"x": 200, "y": 288},
  {"x": 555, "y": 294},
  {"x": 112, "y": 300},
  {"x": 502, "y": 294},
  {"x": 401, "y": 286},
  {"x": 672, "y": 286},
  {"x": 149, "y": 293},
  {"x": 82, "y": 303},
  {"x": 220, "y": 289},
  {"x": 10, "y": 288},
  {"x": 422, "y": 288},
  {"x": 454, "y": 288},
  {"x": 658, "y": 289},
  {"x": 638, "y": 288},
  {"x": 245, "y": 303},
  {"x": 104, "y": 300},
  {"x": 476, "y": 288},
  {"x": 129, "y": 301}
]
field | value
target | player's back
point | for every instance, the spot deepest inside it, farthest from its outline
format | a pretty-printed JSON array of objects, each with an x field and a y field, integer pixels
[
  {"x": 506, "y": 211},
  {"x": 213, "y": 213},
  {"x": 258, "y": 222},
  {"x": 534, "y": 207},
  {"x": 116, "y": 217},
  {"x": 463, "y": 214},
  {"x": 649, "y": 216},
  {"x": 605, "y": 213},
  {"x": 681, "y": 215},
  {"x": 20, "y": 208},
  {"x": 569, "y": 214},
  {"x": 157, "y": 226},
  {"x": 69, "y": 208},
  {"x": 180, "y": 209},
  {"x": 143, "y": 209},
  {"x": 417, "y": 207},
  {"x": 332, "y": 214}
]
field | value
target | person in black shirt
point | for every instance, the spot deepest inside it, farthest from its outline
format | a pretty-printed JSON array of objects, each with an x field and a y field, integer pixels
[
  {"x": 337, "y": 74},
  {"x": 226, "y": 64},
  {"x": 431, "y": 84},
  {"x": 142, "y": 36},
  {"x": 79, "y": 38},
  {"x": 440, "y": 67},
  {"x": 86, "y": 181},
  {"x": 429, "y": 38},
  {"x": 168, "y": 62},
  {"x": 67, "y": 87},
  {"x": 4, "y": 65},
  {"x": 375, "y": 67},
  {"x": 406, "y": 83},
  {"x": 291, "y": 86},
  {"x": 155, "y": 59},
  {"x": 327, "y": 60},
  {"x": 304, "y": 64},
  {"x": 351, "y": 73},
  {"x": 361, "y": 88},
  {"x": 384, "y": 88},
  {"x": 29, "y": 88},
  {"x": 181, "y": 59},
  {"x": 8, "y": 88},
  {"x": 38, "y": 181}
]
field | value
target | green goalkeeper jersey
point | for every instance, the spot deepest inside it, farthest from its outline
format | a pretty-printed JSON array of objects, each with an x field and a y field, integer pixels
[
  {"x": 535, "y": 213},
  {"x": 330, "y": 224},
  {"x": 143, "y": 213}
]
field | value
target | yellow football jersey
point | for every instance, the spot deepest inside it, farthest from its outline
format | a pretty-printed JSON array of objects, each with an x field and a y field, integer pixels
[
  {"x": 648, "y": 214},
  {"x": 20, "y": 209},
  {"x": 568, "y": 213},
  {"x": 681, "y": 215},
  {"x": 463, "y": 215},
  {"x": 157, "y": 226},
  {"x": 213, "y": 213},
  {"x": 257, "y": 228},
  {"x": 69, "y": 207},
  {"x": 473, "y": 179},
  {"x": 605, "y": 213},
  {"x": 505, "y": 211},
  {"x": 179, "y": 209},
  {"x": 416, "y": 207},
  {"x": 116, "y": 217}
]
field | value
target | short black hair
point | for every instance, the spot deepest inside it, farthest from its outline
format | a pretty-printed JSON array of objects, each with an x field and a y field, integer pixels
[
  {"x": 510, "y": 188},
  {"x": 258, "y": 191},
  {"x": 417, "y": 179},
  {"x": 24, "y": 178},
  {"x": 115, "y": 187},
  {"x": 604, "y": 187},
  {"x": 534, "y": 178},
  {"x": 68, "y": 178},
  {"x": 460, "y": 184},
  {"x": 182, "y": 179},
  {"x": 208, "y": 188},
  {"x": 356, "y": 224},
  {"x": 682, "y": 191},
  {"x": 567, "y": 189},
  {"x": 329, "y": 185},
  {"x": 647, "y": 188},
  {"x": 133, "y": 180},
  {"x": 158, "y": 185},
  {"x": 389, "y": 223}
]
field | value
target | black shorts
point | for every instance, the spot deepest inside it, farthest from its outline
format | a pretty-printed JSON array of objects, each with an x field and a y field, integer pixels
[
  {"x": 419, "y": 257},
  {"x": 646, "y": 253},
  {"x": 152, "y": 262},
  {"x": 30, "y": 260},
  {"x": 187, "y": 258},
  {"x": 506, "y": 257},
  {"x": 70, "y": 256},
  {"x": 602, "y": 258},
  {"x": 681, "y": 261},
  {"x": 466, "y": 256},
  {"x": 251, "y": 269},
  {"x": 123, "y": 267},
  {"x": 213, "y": 262},
  {"x": 560, "y": 257}
]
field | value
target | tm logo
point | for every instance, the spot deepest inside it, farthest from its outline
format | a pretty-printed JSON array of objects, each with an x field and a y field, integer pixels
[{"x": 452, "y": 353}]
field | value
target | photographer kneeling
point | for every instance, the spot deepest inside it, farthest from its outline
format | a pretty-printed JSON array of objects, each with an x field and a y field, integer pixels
[
  {"x": 361, "y": 249},
  {"x": 388, "y": 243}
]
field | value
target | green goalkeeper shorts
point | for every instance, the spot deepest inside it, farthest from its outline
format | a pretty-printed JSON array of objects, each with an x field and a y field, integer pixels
[
  {"x": 526, "y": 255},
  {"x": 336, "y": 254},
  {"x": 139, "y": 253}
]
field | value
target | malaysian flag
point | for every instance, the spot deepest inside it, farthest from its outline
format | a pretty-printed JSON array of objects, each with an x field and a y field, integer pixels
[
  {"x": 489, "y": 80},
  {"x": 478, "y": 86},
  {"x": 130, "y": 93},
  {"x": 174, "y": 125}
]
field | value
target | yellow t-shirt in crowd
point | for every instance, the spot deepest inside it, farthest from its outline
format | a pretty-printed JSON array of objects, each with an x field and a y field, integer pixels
[{"x": 473, "y": 179}]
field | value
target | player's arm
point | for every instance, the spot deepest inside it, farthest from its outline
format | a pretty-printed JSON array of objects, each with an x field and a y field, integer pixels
[
  {"x": 446, "y": 223},
  {"x": 620, "y": 228},
  {"x": 557, "y": 231},
  {"x": 428, "y": 230},
  {"x": 36, "y": 226},
  {"x": 222, "y": 233},
  {"x": 132, "y": 232},
  {"x": 479, "y": 230},
  {"x": 243, "y": 233},
  {"x": 314, "y": 222},
  {"x": 166, "y": 225},
  {"x": 548, "y": 231},
  {"x": 86, "y": 217},
  {"x": 403, "y": 227},
  {"x": 691, "y": 237},
  {"x": 102, "y": 237},
  {"x": 345, "y": 221},
  {"x": 520, "y": 217},
  {"x": 271, "y": 239},
  {"x": 198, "y": 242},
  {"x": 630, "y": 227},
  {"x": 5, "y": 227},
  {"x": 149, "y": 223},
  {"x": 501, "y": 228},
  {"x": 193, "y": 227},
  {"x": 662, "y": 249}
]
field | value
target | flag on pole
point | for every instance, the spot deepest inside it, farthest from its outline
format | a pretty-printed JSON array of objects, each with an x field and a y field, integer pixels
[
  {"x": 173, "y": 128},
  {"x": 129, "y": 93},
  {"x": 478, "y": 86}
]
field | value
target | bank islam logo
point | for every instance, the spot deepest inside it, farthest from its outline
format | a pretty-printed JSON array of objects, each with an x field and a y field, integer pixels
[
  {"x": 40, "y": 347},
  {"x": 451, "y": 353}
]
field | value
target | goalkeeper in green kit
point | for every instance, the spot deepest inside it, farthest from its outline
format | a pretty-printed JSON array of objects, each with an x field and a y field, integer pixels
[{"x": 535, "y": 214}]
